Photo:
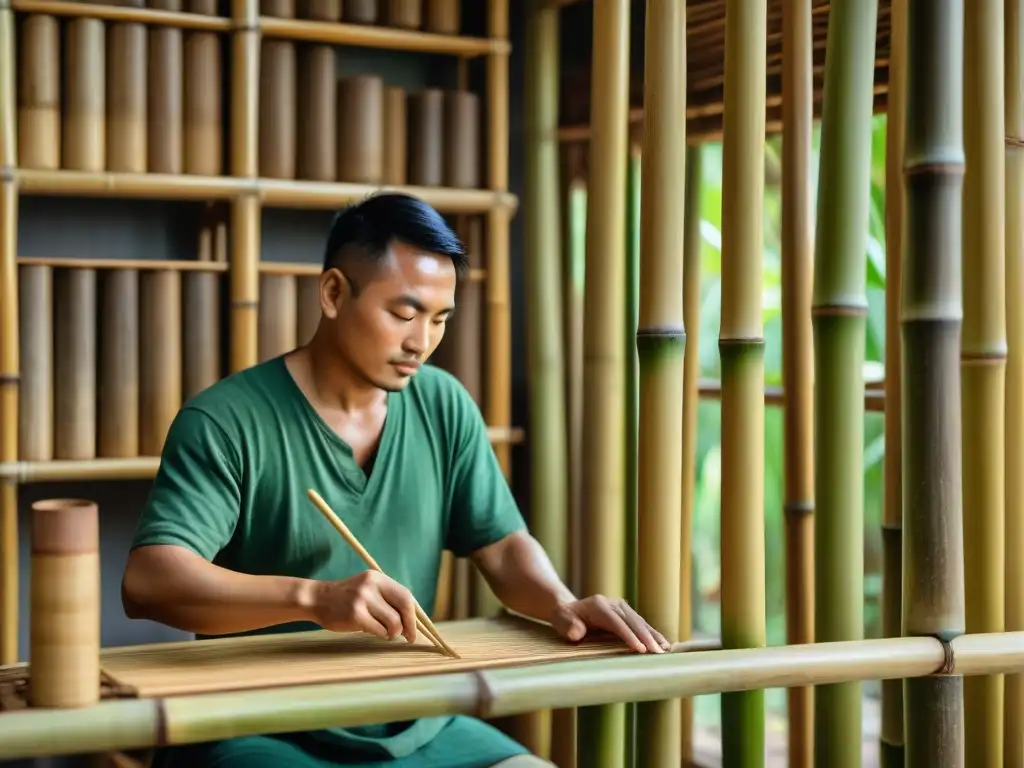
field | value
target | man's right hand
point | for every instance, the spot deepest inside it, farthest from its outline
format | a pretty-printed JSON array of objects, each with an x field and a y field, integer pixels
[{"x": 369, "y": 602}]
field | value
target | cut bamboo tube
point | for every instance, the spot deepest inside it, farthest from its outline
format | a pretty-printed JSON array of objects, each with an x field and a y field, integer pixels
[
  {"x": 395, "y": 142},
  {"x": 39, "y": 93},
  {"x": 317, "y": 113},
  {"x": 74, "y": 412},
  {"x": 361, "y": 129},
  {"x": 277, "y": 105},
  {"x": 165, "y": 5},
  {"x": 65, "y": 604},
  {"x": 126, "y": 97},
  {"x": 200, "y": 332},
  {"x": 202, "y": 105},
  {"x": 983, "y": 364},
  {"x": 307, "y": 309},
  {"x": 320, "y": 10},
  {"x": 462, "y": 139},
  {"x": 282, "y": 9},
  {"x": 1013, "y": 720},
  {"x": 35, "y": 321},
  {"x": 443, "y": 16},
  {"x": 602, "y": 736},
  {"x": 404, "y": 14},
  {"x": 278, "y": 316},
  {"x": 930, "y": 314},
  {"x": 160, "y": 359},
  {"x": 798, "y": 357},
  {"x": 83, "y": 140},
  {"x": 165, "y": 92},
  {"x": 118, "y": 423},
  {"x": 425, "y": 129},
  {"x": 361, "y": 11},
  {"x": 202, "y": 7}
]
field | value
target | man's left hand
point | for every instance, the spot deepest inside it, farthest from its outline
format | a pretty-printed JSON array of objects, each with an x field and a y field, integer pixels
[{"x": 572, "y": 620}]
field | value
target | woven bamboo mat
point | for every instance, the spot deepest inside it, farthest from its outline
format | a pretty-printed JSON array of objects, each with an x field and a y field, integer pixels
[{"x": 262, "y": 661}]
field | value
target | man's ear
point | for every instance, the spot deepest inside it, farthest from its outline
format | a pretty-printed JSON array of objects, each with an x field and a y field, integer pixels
[{"x": 335, "y": 290}]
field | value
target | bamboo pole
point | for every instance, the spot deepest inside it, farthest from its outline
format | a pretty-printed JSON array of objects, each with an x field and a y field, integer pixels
[
  {"x": 891, "y": 746},
  {"x": 839, "y": 316},
  {"x": 575, "y": 263},
  {"x": 983, "y": 364},
  {"x": 798, "y": 356},
  {"x": 602, "y": 736},
  {"x": 930, "y": 314},
  {"x": 1013, "y": 721},
  {"x": 135, "y": 723},
  {"x": 661, "y": 344},
  {"x": 741, "y": 346},
  {"x": 691, "y": 375}
]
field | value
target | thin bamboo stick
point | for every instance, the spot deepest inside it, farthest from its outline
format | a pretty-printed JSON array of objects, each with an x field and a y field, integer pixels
[
  {"x": 39, "y": 93},
  {"x": 118, "y": 407},
  {"x": 741, "y": 347},
  {"x": 983, "y": 364},
  {"x": 798, "y": 356},
  {"x": 1013, "y": 720},
  {"x": 930, "y": 314},
  {"x": 35, "y": 342},
  {"x": 160, "y": 358}
]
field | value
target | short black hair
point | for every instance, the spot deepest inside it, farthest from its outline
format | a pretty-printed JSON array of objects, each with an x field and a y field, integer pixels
[{"x": 364, "y": 230}]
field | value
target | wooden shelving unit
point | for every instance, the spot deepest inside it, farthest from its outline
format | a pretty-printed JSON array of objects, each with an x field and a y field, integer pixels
[{"x": 61, "y": 416}]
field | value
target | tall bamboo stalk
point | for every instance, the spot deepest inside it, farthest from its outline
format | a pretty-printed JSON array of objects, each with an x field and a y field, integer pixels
[
  {"x": 798, "y": 355},
  {"x": 1013, "y": 720},
  {"x": 891, "y": 746},
  {"x": 839, "y": 316},
  {"x": 601, "y": 738},
  {"x": 661, "y": 344},
  {"x": 741, "y": 346},
  {"x": 983, "y": 364},
  {"x": 930, "y": 313},
  {"x": 691, "y": 377}
]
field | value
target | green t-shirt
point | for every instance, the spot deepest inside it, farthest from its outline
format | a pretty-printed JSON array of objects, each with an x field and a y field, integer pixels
[{"x": 240, "y": 457}]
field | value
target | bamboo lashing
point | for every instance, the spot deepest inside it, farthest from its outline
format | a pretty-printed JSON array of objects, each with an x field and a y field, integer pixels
[{"x": 423, "y": 622}]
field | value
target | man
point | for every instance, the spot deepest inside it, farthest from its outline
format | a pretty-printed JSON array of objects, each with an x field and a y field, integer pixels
[{"x": 229, "y": 544}]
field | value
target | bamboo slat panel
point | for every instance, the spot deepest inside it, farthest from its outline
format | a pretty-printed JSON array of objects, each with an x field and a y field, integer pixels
[{"x": 201, "y": 666}]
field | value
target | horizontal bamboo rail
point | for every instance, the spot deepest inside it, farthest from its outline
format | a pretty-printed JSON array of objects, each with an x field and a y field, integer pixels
[
  {"x": 121, "y": 724},
  {"x": 305, "y": 269},
  {"x": 874, "y": 396},
  {"x": 123, "y": 13},
  {"x": 70, "y": 262}
]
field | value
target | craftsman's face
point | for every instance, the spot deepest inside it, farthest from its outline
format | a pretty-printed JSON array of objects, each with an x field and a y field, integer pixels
[{"x": 396, "y": 319}]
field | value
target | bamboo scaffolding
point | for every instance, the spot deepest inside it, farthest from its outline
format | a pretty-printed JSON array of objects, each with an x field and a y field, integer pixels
[
  {"x": 983, "y": 364},
  {"x": 136, "y": 723},
  {"x": 798, "y": 357},
  {"x": 930, "y": 314}
]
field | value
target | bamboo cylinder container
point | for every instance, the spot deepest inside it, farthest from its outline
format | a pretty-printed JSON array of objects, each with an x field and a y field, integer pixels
[
  {"x": 462, "y": 138},
  {"x": 39, "y": 93},
  {"x": 307, "y": 307},
  {"x": 425, "y": 127},
  {"x": 118, "y": 428},
  {"x": 200, "y": 330},
  {"x": 164, "y": 103},
  {"x": 83, "y": 142},
  {"x": 444, "y": 16},
  {"x": 202, "y": 7},
  {"x": 278, "y": 316},
  {"x": 203, "y": 151},
  {"x": 395, "y": 155},
  {"x": 361, "y": 129},
  {"x": 164, "y": 5},
  {"x": 74, "y": 411},
  {"x": 64, "y": 659},
  {"x": 404, "y": 14},
  {"x": 282, "y": 9},
  {"x": 126, "y": 97},
  {"x": 160, "y": 358},
  {"x": 35, "y": 396},
  {"x": 361, "y": 11},
  {"x": 317, "y": 114},
  {"x": 320, "y": 10},
  {"x": 277, "y": 109}
]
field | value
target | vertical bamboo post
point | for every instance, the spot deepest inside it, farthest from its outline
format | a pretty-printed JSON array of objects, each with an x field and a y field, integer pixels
[
  {"x": 602, "y": 734},
  {"x": 983, "y": 364},
  {"x": 661, "y": 344},
  {"x": 65, "y": 604},
  {"x": 741, "y": 347},
  {"x": 798, "y": 355},
  {"x": 245, "y": 209},
  {"x": 1013, "y": 727},
  {"x": 892, "y": 751},
  {"x": 9, "y": 352},
  {"x": 930, "y": 315}
]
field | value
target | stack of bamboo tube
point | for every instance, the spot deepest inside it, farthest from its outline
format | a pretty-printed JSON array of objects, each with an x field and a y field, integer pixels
[
  {"x": 128, "y": 98},
  {"x": 439, "y": 16}
]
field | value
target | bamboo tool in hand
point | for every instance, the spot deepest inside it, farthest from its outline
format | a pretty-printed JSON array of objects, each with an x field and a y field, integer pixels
[{"x": 423, "y": 622}]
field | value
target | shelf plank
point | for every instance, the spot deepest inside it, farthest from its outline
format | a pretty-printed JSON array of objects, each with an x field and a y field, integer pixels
[
  {"x": 152, "y": 265},
  {"x": 124, "y": 13}
]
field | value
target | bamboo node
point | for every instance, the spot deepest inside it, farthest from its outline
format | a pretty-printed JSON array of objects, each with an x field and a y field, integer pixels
[
  {"x": 161, "y": 724},
  {"x": 8, "y": 173},
  {"x": 245, "y": 303},
  {"x": 484, "y": 694},
  {"x": 1015, "y": 141},
  {"x": 9, "y": 378},
  {"x": 840, "y": 310},
  {"x": 662, "y": 332},
  {"x": 798, "y": 508},
  {"x": 245, "y": 25},
  {"x": 741, "y": 341},
  {"x": 948, "y": 658}
]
